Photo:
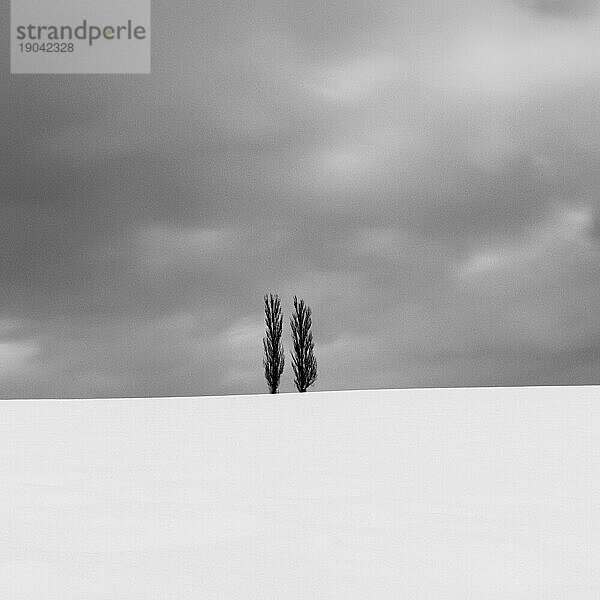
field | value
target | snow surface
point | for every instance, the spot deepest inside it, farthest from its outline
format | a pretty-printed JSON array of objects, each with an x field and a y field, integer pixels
[{"x": 429, "y": 494}]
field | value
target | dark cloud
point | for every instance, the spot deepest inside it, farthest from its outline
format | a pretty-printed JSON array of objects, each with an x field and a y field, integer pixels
[{"x": 425, "y": 176}]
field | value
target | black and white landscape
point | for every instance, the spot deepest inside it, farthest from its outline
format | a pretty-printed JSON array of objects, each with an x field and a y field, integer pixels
[
  {"x": 367, "y": 195},
  {"x": 423, "y": 173}
]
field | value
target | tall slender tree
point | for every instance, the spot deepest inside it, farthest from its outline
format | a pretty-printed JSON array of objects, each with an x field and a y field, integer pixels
[
  {"x": 303, "y": 357},
  {"x": 274, "y": 358}
]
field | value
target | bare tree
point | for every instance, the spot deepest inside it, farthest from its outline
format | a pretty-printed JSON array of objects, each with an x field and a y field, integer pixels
[
  {"x": 274, "y": 359},
  {"x": 303, "y": 358}
]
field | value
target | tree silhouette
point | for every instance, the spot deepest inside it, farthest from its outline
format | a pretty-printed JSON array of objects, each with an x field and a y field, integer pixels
[
  {"x": 274, "y": 358},
  {"x": 303, "y": 358}
]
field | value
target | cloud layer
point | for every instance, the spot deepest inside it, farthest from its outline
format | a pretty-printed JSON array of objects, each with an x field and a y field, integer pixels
[{"x": 424, "y": 175}]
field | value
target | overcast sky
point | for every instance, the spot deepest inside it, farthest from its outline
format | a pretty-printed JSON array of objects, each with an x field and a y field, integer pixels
[{"x": 425, "y": 174}]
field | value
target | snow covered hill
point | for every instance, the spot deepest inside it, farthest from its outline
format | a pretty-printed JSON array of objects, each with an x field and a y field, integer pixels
[{"x": 430, "y": 494}]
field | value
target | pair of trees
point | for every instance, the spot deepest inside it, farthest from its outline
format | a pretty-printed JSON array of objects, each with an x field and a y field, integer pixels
[{"x": 304, "y": 362}]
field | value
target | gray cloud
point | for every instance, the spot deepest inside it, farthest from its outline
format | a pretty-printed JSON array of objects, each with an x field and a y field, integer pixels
[
  {"x": 562, "y": 7},
  {"x": 424, "y": 175}
]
